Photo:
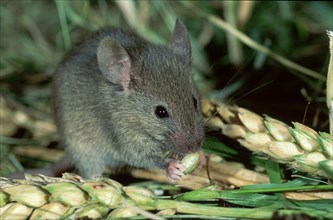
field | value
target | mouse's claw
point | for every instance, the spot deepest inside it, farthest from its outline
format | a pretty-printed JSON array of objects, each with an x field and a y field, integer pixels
[{"x": 175, "y": 171}]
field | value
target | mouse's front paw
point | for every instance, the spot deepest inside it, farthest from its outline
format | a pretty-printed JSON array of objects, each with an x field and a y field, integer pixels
[{"x": 175, "y": 170}]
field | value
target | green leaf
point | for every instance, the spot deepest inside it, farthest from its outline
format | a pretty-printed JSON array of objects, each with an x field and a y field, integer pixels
[
  {"x": 273, "y": 171},
  {"x": 199, "y": 195},
  {"x": 211, "y": 193},
  {"x": 249, "y": 199},
  {"x": 294, "y": 183},
  {"x": 213, "y": 145}
]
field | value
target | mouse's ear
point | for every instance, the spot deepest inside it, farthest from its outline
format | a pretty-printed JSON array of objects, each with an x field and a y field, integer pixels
[
  {"x": 114, "y": 62},
  {"x": 180, "y": 40}
]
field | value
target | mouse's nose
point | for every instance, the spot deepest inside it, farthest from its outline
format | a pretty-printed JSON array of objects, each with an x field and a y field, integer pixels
[{"x": 187, "y": 143}]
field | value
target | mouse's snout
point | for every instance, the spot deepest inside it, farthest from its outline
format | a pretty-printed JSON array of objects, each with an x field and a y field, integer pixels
[{"x": 187, "y": 143}]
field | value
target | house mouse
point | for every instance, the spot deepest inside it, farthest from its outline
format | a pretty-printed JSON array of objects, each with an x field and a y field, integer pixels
[{"x": 121, "y": 100}]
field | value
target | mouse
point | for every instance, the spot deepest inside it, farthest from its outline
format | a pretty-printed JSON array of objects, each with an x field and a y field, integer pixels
[{"x": 121, "y": 100}]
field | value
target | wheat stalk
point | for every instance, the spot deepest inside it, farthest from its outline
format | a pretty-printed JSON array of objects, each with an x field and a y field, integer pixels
[
  {"x": 301, "y": 147},
  {"x": 72, "y": 197}
]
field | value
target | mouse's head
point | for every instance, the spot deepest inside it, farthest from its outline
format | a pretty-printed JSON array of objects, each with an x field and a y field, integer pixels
[{"x": 158, "y": 105}]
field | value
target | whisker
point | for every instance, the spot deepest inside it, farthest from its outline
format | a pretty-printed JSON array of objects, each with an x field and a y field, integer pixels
[
  {"x": 238, "y": 71},
  {"x": 232, "y": 78},
  {"x": 234, "y": 100}
]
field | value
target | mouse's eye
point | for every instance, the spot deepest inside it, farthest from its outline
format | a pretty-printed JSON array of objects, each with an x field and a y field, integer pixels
[
  {"x": 161, "y": 112},
  {"x": 195, "y": 103}
]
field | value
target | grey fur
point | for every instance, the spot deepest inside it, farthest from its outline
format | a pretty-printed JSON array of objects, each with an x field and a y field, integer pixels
[{"x": 104, "y": 122}]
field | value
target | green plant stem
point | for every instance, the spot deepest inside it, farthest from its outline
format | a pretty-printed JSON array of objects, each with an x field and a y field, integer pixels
[
  {"x": 251, "y": 43},
  {"x": 329, "y": 83},
  {"x": 63, "y": 23},
  {"x": 234, "y": 47},
  {"x": 206, "y": 194},
  {"x": 285, "y": 189}
]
